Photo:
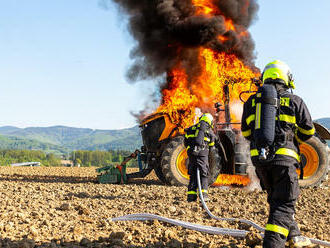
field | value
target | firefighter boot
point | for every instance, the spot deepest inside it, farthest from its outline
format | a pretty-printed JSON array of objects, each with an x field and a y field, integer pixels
[
  {"x": 192, "y": 187},
  {"x": 191, "y": 197},
  {"x": 299, "y": 241}
]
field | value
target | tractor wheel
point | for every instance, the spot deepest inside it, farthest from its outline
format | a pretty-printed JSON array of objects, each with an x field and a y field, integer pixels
[
  {"x": 174, "y": 163},
  {"x": 315, "y": 161},
  {"x": 215, "y": 165},
  {"x": 159, "y": 174}
]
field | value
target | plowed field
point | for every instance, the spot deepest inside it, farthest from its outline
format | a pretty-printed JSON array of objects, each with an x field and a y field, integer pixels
[{"x": 65, "y": 207}]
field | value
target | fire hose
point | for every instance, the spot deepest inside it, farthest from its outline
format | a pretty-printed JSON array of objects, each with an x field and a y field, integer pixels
[
  {"x": 218, "y": 218},
  {"x": 202, "y": 228},
  {"x": 259, "y": 228}
]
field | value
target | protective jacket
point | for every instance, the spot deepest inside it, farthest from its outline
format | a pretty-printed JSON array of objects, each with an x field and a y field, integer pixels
[
  {"x": 198, "y": 138},
  {"x": 293, "y": 125}
]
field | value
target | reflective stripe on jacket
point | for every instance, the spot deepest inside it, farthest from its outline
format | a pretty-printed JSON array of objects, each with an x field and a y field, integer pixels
[{"x": 200, "y": 134}]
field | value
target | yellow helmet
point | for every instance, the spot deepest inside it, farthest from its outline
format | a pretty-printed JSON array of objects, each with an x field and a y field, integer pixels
[
  {"x": 208, "y": 118},
  {"x": 280, "y": 71}
]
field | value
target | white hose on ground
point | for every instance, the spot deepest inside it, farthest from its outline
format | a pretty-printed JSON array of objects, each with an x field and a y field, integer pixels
[
  {"x": 188, "y": 225},
  {"x": 259, "y": 228},
  {"x": 201, "y": 228},
  {"x": 314, "y": 241}
]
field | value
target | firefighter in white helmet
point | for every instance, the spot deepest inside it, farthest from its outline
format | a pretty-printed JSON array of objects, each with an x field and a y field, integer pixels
[{"x": 198, "y": 139}]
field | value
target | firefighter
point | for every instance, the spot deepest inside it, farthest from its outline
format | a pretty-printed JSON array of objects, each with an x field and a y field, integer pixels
[
  {"x": 198, "y": 139},
  {"x": 276, "y": 163}
]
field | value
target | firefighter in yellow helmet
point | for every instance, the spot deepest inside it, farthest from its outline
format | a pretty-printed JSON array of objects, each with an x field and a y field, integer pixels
[
  {"x": 198, "y": 139},
  {"x": 275, "y": 121}
]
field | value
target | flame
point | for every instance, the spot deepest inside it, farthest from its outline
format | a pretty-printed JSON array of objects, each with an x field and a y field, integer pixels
[
  {"x": 229, "y": 25},
  {"x": 224, "y": 179},
  {"x": 205, "y": 7},
  {"x": 218, "y": 69},
  {"x": 178, "y": 102},
  {"x": 244, "y": 33},
  {"x": 223, "y": 38}
]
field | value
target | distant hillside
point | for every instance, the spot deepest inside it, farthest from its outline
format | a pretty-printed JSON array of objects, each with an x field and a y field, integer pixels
[
  {"x": 63, "y": 139},
  {"x": 15, "y": 143},
  {"x": 8, "y": 129}
]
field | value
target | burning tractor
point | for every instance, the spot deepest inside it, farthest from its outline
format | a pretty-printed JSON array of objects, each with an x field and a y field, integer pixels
[{"x": 164, "y": 152}]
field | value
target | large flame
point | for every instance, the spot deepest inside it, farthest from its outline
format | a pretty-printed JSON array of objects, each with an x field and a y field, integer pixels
[
  {"x": 178, "y": 101},
  {"x": 183, "y": 96},
  {"x": 218, "y": 69}
]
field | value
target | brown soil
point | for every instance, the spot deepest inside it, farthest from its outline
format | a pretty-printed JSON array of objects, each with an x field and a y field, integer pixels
[{"x": 65, "y": 207}]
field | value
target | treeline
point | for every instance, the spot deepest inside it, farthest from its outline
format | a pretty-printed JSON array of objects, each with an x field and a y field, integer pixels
[
  {"x": 81, "y": 157},
  {"x": 8, "y": 157},
  {"x": 99, "y": 158}
]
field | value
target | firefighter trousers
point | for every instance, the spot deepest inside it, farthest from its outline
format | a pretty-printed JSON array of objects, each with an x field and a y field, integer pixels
[
  {"x": 281, "y": 184},
  {"x": 201, "y": 162}
]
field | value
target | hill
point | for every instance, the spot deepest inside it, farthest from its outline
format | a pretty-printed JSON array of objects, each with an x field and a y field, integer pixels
[
  {"x": 62, "y": 139},
  {"x": 16, "y": 143}
]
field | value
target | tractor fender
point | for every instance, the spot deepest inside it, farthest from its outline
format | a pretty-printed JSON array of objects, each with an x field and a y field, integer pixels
[{"x": 322, "y": 131}]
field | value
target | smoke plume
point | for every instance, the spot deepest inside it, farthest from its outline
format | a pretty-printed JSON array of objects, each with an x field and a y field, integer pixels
[{"x": 168, "y": 31}]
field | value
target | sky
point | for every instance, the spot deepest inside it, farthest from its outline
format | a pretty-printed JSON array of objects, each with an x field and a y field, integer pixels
[{"x": 63, "y": 62}]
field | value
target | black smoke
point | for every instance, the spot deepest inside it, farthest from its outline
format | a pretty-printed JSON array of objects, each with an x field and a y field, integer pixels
[{"x": 168, "y": 32}]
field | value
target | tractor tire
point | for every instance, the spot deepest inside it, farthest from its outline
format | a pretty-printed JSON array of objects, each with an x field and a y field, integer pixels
[
  {"x": 159, "y": 174},
  {"x": 215, "y": 165},
  {"x": 174, "y": 163},
  {"x": 315, "y": 162}
]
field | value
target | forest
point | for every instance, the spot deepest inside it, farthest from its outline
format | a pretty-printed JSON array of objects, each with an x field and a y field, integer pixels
[
  {"x": 98, "y": 158},
  {"x": 81, "y": 157}
]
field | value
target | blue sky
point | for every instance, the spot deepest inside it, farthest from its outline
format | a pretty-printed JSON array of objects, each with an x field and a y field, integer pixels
[{"x": 63, "y": 62}]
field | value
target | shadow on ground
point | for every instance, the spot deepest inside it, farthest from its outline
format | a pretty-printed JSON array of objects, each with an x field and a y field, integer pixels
[
  {"x": 47, "y": 179},
  {"x": 68, "y": 179}
]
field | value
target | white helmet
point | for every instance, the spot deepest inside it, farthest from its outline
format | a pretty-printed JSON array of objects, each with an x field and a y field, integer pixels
[{"x": 208, "y": 118}]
